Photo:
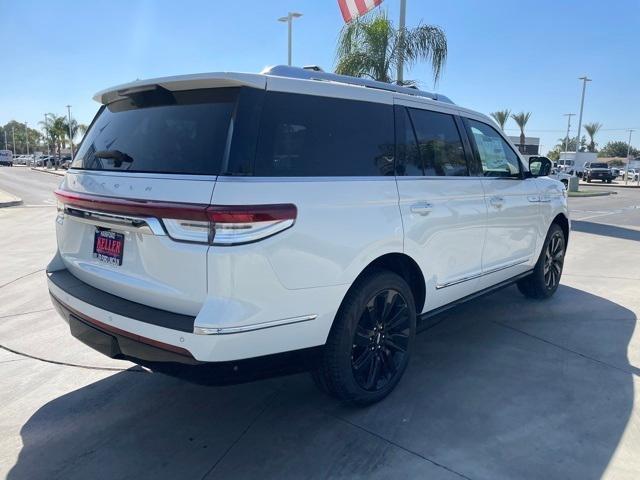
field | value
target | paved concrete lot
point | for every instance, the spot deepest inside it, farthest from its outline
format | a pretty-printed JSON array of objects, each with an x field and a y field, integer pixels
[{"x": 501, "y": 387}]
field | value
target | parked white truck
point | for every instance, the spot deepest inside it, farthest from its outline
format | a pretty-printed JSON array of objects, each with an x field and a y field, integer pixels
[{"x": 573, "y": 162}]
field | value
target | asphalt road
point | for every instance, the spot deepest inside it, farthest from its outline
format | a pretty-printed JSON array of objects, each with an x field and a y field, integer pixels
[
  {"x": 34, "y": 188},
  {"x": 500, "y": 388}
]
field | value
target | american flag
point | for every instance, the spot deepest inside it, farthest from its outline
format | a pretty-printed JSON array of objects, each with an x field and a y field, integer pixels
[{"x": 352, "y": 9}]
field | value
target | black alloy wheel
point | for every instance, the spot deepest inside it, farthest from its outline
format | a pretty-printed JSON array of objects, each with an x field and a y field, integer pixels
[
  {"x": 545, "y": 277},
  {"x": 554, "y": 260},
  {"x": 371, "y": 340},
  {"x": 381, "y": 340}
]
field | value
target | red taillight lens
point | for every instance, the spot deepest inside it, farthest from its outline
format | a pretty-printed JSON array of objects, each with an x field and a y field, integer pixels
[
  {"x": 251, "y": 213},
  {"x": 235, "y": 225}
]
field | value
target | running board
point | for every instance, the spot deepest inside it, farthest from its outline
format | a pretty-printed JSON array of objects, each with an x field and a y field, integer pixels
[{"x": 480, "y": 293}]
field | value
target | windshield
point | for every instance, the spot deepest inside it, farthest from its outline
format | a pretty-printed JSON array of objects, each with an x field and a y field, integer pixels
[
  {"x": 160, "y": 132},
  {"x": 599, "y": 165}
]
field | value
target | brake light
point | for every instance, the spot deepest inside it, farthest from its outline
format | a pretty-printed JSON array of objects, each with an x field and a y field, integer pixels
[
  {"x": 213, "y": 224},
  {"x": 234, "y": 225}
]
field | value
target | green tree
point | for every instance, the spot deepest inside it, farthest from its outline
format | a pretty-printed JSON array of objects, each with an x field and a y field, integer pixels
[
  {"x": 372, "y": 47},
  {"x": 16, "y": 131},
  {"x": 617, "y": 149},
  {"x": 592, "y": 129},
  {"x": 521, "y": 119},
  {"x": 501, "y": 117}
]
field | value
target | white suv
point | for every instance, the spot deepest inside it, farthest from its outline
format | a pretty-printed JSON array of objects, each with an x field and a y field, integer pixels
[{"x": 213, "y": 225}]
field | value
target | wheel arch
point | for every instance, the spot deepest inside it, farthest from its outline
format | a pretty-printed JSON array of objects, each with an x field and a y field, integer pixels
[
  {"x": 404, "y": 266},
  {"x": 563, "y": 222}
]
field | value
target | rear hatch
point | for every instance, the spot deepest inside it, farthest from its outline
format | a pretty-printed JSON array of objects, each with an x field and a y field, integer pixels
[{"x": 132, "y": 209}]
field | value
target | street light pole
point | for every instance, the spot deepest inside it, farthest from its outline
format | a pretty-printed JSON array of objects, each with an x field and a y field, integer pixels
[
  {"x": 626, "y": 170},
  {"x": 26, "y": 135},
  {"x": 403, "y": 15},
  {"x": 289, "y": 20},
  {"x": 46, "y": 133},
  {"x": 584, "y": 87},
  {"x": 566, "y": 140},
  {"x": 13, "y": 136},
  {"x": 69, "y": 125}
]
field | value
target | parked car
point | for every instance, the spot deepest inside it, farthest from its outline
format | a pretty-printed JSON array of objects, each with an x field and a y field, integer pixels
[
  {"x": 563, "y": 177},
  {"x": 632, "y": 174},
  {"x": 6, "y": 158},
  {"x": 597, "y": 171},
  {"x": 344, "y": 212}
]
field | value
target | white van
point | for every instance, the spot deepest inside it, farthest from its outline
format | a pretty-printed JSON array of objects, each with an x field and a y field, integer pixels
[{"x": 242, "y": 220}]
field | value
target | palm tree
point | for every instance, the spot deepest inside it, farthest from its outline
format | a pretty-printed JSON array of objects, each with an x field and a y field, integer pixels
[
  {"x": 592, "y": 129},
  {"x": 372, "y": 47},
  {"x": 521, "y": 119},
  {"x": 501, "y": 117}
]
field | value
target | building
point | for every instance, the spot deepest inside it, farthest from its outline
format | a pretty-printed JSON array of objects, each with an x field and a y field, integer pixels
[{"x": 531, "y": 144}]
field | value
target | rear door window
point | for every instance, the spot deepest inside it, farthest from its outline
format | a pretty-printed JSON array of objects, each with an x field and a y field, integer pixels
[
  {"x": 308, "y": 135},
  {"x": 436, "y": 141},
  {"x": 161, "y": 132}
]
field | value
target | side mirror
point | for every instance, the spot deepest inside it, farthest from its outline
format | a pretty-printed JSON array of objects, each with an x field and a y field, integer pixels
[{"x": 540, "y": 166}]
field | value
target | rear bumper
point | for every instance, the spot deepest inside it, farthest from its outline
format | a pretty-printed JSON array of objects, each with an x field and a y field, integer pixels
[
  {"x": 116, "y": 343},
  {"x": 181, "y": 364},
  {"x": 120, "y": 328}
]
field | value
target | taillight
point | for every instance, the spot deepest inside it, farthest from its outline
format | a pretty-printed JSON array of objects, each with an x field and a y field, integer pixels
[
  {"x": 188, "y": 222},
  {"x": 235, "y": 225}
]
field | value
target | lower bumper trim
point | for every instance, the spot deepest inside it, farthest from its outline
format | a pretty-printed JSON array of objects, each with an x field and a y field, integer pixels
[{"x": 126, "y": 343}]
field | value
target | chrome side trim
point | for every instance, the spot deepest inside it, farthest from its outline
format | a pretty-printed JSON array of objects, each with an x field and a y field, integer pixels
[
  {"x": 478, "y": 275},
  {"x": 128, "y": 174},
  {"x": 250, "y": 328},
  {"x": 144, "y": 225},
  {"x": 252, "y": 179}
]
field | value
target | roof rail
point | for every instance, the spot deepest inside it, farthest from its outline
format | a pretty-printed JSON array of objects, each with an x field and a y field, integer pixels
[{"x": 315, "y": 73}]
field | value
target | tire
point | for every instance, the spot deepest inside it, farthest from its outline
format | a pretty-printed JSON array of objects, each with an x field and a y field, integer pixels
[
  {"x": 545, "y": 278},
  {"x": 371, "y": 340},
  {"x": 588, "y": 180}
]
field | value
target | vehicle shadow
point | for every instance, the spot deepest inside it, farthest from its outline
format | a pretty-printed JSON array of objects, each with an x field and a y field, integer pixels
[
  {"x": 502, "y": 387},
  {"x": 606, "y": 230}
]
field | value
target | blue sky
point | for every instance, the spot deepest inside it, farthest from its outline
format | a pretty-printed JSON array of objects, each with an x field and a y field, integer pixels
[{"x": 524, "y": 55}]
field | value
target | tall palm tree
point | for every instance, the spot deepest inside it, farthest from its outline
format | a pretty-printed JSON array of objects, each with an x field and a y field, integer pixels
[
  {"x": 521, "y": 119},
  {"x": 592, "y": 129},
  {"x": 372, "y": 47},
  {"x": 501, "y": 117}
]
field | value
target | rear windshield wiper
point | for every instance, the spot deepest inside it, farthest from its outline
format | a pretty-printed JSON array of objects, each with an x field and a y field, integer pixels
[{"x": 116, "y": 155}]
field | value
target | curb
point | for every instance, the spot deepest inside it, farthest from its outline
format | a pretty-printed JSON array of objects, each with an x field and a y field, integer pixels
[
  {"x": 607, "y": 185},
  {"x": 590, "y": 194},
  {"x": 7, "y": 200},
  {"x": 50, "y": 172}
]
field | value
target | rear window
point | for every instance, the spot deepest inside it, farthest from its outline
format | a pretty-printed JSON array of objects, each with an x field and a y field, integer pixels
[
  {"x": 161, "y": 132},
  {"x": 306, "y": 135}
]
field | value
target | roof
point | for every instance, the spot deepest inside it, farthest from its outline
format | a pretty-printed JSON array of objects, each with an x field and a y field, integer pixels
[{"x": 257, "y": 80}]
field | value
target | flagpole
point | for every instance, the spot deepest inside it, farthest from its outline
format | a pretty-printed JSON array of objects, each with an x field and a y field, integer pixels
[{"x": 403, "y": 14}]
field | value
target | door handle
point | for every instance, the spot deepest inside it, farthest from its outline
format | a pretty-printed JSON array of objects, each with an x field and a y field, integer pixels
[
  {"x": 497, "y": 201},
  {"x": 423, "y": 208}
]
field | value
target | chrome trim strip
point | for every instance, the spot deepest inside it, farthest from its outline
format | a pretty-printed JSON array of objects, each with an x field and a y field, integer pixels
[
  {"x": 161, "y": 176},
  {"x": 482, "y": 274},
  {"x": 250, "y": 328},
  {"x": 251, "y": 179},
  {"x": 144, "y": 225}
]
